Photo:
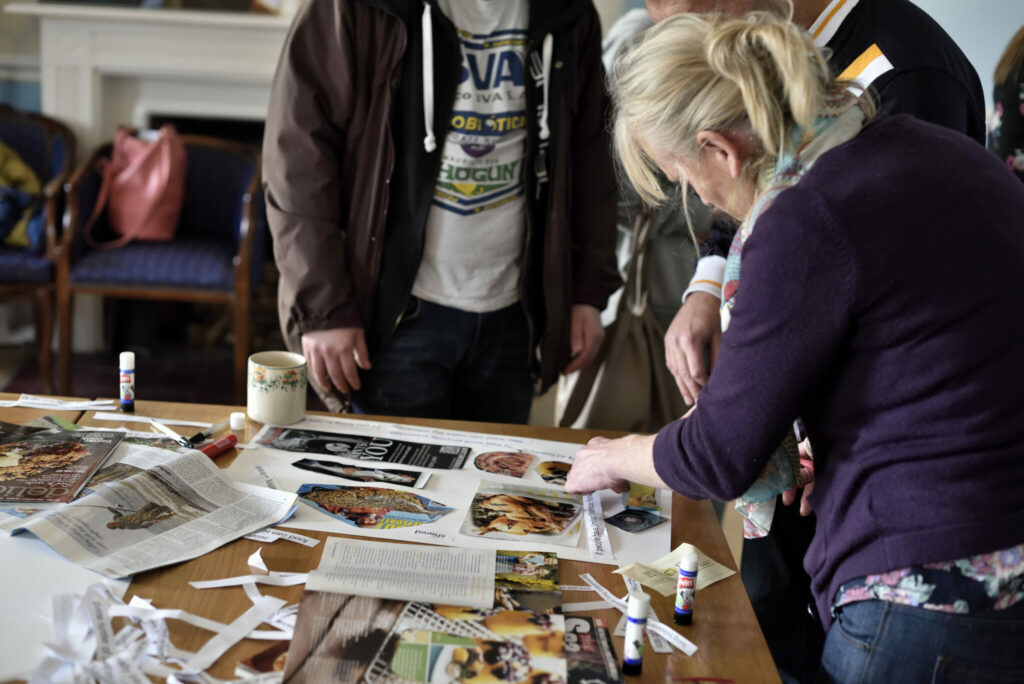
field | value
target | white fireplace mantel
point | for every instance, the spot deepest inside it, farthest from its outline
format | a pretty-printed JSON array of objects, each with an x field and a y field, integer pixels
[{"x": 101, "y": 67}]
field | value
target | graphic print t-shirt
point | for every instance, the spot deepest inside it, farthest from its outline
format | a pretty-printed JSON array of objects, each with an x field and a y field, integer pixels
[{"x": 473, "y": 250}]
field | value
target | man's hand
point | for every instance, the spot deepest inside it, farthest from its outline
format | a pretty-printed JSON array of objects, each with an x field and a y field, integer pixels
[
  {"x": 695, "y": 331},
  {"x": 585, "y": 336},
  {"x": 334, "y": 357}
]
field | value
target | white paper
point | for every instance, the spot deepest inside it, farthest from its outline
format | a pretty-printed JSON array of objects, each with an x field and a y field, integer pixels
[
  {"x": 662, "y": 575},
  {"x": 406, "y": 572},
  {"x": 29, "y": 573}
]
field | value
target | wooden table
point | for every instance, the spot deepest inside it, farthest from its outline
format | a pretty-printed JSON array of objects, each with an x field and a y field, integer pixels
[{"x": 731, "y": 646}]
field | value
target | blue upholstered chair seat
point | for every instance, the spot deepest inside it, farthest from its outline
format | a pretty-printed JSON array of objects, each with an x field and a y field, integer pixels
[
  {"x": 187, "y": 262},
  {"x": 22, "y": 266}
]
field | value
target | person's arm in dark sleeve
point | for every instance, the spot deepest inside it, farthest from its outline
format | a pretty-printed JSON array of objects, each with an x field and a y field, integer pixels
[
  {"x": 303, "y": 145},
  {"x": 793, "y": 308},
  {"x": 593, "y": 221}
]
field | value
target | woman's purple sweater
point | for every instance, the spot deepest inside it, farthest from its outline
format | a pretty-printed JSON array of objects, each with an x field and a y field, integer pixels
[{"x": 881, "y": 300}]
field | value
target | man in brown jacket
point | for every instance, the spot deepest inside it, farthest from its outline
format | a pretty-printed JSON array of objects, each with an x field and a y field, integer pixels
[{"x": 442, "y": 200}]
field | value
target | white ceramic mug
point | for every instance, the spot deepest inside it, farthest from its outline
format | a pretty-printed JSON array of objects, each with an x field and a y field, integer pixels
[{"x": 276, "y": 387}]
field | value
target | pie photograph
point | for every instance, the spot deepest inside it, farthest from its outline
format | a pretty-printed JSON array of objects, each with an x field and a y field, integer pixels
[{"x": 24, "y": 459}]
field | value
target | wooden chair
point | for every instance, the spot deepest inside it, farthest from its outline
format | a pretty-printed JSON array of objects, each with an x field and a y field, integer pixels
[
  {"x": 48, "y": 147},
  {"x": 216, "y": 254}
]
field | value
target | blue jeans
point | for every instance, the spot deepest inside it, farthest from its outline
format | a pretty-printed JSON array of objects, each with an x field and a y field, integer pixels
[
  {"x": 448, "y": 363},
  {"x": 881, "y": 641}
]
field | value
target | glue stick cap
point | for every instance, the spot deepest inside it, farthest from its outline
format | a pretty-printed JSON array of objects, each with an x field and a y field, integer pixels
[
  {"x": 237, "y": 420},
  {"x": 688, "y": 557},
  {"x": 639, "y": 606},
  {"x": 127, "y": 361}
]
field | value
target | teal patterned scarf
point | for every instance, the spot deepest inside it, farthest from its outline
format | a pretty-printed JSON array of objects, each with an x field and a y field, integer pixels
[{"x": 841, "y": 120}]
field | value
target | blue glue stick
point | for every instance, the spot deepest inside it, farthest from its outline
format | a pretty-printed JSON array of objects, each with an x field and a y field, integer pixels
[
  {"x": 683, "y": 614},
  {"x": 127, "y": 373}
]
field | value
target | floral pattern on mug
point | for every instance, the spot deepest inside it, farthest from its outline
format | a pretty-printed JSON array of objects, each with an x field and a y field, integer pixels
[{"x": 289, "y": 380}]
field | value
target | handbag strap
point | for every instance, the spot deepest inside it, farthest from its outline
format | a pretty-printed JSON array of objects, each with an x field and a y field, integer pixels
[
  {"x": 634, "y": 293},
  {"x": 107, "y": 169}
]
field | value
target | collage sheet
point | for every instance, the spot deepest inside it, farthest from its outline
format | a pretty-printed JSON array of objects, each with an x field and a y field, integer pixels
[{"x": 454, "y": 488}]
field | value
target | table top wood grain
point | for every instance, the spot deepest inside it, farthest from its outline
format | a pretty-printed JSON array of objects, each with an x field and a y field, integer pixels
[{"x": 731, "y": 646}]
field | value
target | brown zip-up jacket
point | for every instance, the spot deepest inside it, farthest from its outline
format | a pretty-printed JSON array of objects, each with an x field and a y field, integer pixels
[{"x": 348, "y": 183}]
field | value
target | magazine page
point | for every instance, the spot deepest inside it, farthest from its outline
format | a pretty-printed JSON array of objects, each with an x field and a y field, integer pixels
[
  {"x": 50, "y": 466},
  {"x": 527, "y": 475},
  {"x": 408, "y": 572},
  {"x": 520, "y": 638},
  {"x": 364, "y": 448},
  {"x": 179, "y": 507}
]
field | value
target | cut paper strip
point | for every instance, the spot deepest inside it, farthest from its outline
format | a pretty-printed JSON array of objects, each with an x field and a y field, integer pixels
[
  {"x": 597, "y": 533},
  {"x": 236, "y": 631},
  {"x": 653, "y": 623},
  {"x": 141, "y": 613},
  {"x": 274, "y": 579},
  {"x": 256, "y": 563},
  {"x": 658, "y": 645},
  {"x": 270, "y": 535},
  {"x": 124, "y": 418},
  {"x": 35, "y": 401},
  {"x": 585, "y": 606}
]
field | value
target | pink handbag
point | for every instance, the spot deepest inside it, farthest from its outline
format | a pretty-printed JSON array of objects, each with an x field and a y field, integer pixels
[{"x": 143, "y": 188}]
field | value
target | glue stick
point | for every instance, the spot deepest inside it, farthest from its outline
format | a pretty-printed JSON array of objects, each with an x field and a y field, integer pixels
[
  {"x": 687, "y": 586},
  {"x": 217, "y": 448},
  {"x": 636, "y": 617},
  {"x": 127, "y": 374}
]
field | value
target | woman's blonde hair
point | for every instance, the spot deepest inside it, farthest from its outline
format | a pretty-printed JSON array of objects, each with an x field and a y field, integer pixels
[{"x": 758, "y": 75}]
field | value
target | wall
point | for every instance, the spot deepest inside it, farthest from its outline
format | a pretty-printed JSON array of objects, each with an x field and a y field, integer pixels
[{"x": 19, "y": 60}]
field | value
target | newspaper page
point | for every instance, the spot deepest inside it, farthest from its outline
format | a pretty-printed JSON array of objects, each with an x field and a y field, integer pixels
[
  {"x": 174, "y": 508},
  {"x": 509, "y": 492}
]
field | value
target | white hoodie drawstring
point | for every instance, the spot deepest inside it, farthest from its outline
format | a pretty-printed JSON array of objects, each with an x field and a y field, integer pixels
[
  {"x": 546, "y": 50},
  {"x": 429, "y": 141}
]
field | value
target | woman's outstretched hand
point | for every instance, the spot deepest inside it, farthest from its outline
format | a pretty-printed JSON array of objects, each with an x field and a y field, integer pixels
[{"x": 612, "y": 464}]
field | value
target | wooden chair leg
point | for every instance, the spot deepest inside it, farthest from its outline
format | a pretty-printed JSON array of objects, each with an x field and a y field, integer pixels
[
  {"x": 241, "y": 312},
  {"x": 64, "y": 300},
  {"x": 43, "y": 312}
]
